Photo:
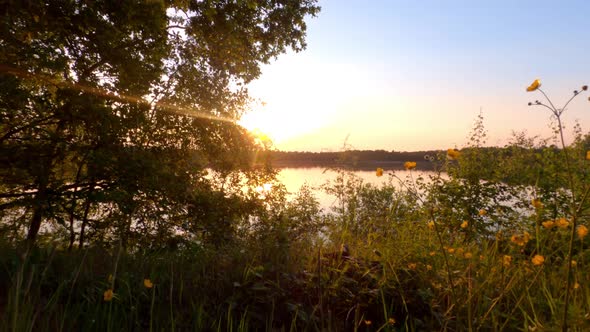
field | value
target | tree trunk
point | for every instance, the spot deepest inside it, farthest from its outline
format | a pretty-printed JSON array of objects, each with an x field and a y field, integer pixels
[
  {"x": 84, "y": 222},
  {"x": 38, "y": 207},
  {"x": 71, "y": 228}
]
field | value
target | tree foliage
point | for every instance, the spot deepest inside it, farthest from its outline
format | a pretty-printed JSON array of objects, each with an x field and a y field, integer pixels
[{"x": 118, "y": 117}]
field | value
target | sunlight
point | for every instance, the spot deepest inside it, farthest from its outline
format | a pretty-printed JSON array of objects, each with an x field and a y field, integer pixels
[
  {"x": 306, "y": 102},
  {"x": 279, "y": 127}
]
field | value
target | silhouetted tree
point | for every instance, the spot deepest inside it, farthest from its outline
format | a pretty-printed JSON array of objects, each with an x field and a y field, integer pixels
[{"x": 110, "y": 111}]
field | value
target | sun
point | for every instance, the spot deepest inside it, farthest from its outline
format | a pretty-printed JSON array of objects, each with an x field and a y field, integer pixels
[
  {"x": 301, "y": 97},
  {"x": 279, "y": 125}
]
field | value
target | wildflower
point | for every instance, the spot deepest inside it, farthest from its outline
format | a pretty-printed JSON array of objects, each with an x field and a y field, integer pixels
[
  {"x": 459, "y": 251},
  {"x": 562, "y": 223},
  {"x": 537, "y": 203},
  {"x": 521, "y": 240},
  {"x": 451, "y": 250},
  {"x": 108, "y": 295},
  {"x": 428, "y": 267},
  {"x": 548, "y": 224},
  {"x": 148, "y": 283},
  {"x": 412, "y": 266},
  {"x": 468, "y": 255},
  {"x": 410, "y": 165},
  {"x": 453, "y": 154},
  {"x": 391, "y": 321},
  {"x": 368, "y": 322},
  {"x": 576, "y": 285},
  {"x": 517, "y": 239},
  {"x": 482, "y": 212},
  {"x": 379, "y": 171},
  {"x": 430, "y": 225},
  {"x": 526, "y": 236},
  {"x": 506, "y": 260},
  {"x": 582, "y": 231},
  {"x": 432, "y": 253},
  {"x": 588, "y": 155},
  {"x": 464, "y": 224},
  {"x": 538, "y": 260},
  {"x": 534, "y": 86},
  {"x": 574, "y": 263}
]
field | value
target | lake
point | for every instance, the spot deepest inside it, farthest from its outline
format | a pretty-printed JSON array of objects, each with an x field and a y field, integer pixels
[{"x": 294, "y": 178}]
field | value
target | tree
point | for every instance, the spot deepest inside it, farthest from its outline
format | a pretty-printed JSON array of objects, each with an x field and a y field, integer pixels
[{"x": 116, "y": 108}]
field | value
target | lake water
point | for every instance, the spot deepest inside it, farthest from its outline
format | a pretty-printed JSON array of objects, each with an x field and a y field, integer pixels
[{"x": 294, "y": 178}]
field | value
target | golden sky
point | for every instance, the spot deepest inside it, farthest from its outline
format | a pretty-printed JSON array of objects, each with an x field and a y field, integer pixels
[{"x": 398, "y": 76}]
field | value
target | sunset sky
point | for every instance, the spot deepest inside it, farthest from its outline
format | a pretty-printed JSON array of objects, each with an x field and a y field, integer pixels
[{"x": 413, "y": 75}]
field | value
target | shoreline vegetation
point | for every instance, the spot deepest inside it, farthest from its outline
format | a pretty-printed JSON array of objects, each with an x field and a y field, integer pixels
[{"x": 350, "y": 159}]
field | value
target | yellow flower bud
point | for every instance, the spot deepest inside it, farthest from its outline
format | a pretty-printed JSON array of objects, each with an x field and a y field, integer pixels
[
  {"x": 379, "y": 171},
  {"x": 534, "y": 86},
  {"x": 538, "y": 260}
]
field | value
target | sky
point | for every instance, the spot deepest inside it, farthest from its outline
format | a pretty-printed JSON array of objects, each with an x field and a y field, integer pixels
[{"x": 414, "y": 75}]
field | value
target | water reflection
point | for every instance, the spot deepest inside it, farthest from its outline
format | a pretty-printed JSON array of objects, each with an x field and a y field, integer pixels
[{"x": 315, "y": 177}]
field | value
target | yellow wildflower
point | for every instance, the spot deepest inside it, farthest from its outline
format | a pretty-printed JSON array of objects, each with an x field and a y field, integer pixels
[
  {"x": 576, "y": 285},
  {"x": 537, "y": 203},
  {"x": 428, "y": 267},
  {"x": 538, "y": 260},
  {"x": 517, "y": 239},
  {"x": 368, "y": 322},
  {"x": 453, "y": 154},
  {"x": 430, "y": 224},
  {"x": 410, "y": 165},
  {"x": 534, "y": 86},
  {"x": 468, "y": 255},
  {"x": 521, "y": 240},
  {"x": 432, "y": 253},
  {"x": 148, "y": 283},
  {"x": 588, "y": 155},
  {"x": 582, "y": 231},
  {"x": 108, "y": 295},
  {"x": 482, "y": 212},
  {"x": 379, "y": 171},
  {"x": 506, "y": 260},
  {"x": 548, "y": 224},
  {"x": 412, "y": 266},
  {"x": 459, "y": 251},
  {"x": 562, "y": 223},
  {"x": 391, "y": 321},
  {"x": 574, "y": 263},
  {"x": 464, "y": 224},
  {"x": 451, "y": 250}
]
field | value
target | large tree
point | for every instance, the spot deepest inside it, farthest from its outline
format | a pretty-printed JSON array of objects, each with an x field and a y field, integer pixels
[{"x": 111, "y": 111}]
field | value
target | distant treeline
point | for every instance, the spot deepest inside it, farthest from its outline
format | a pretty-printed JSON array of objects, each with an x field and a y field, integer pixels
[{"x": 358, "y": 159}]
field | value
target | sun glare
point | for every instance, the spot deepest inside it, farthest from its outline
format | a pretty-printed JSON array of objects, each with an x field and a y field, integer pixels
[
  {"x": 277, "y": 126},
  {"x": 305, "y": 103}
]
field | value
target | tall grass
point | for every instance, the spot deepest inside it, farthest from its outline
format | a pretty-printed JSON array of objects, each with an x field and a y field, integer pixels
[{"x": 478, "y": 250}]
